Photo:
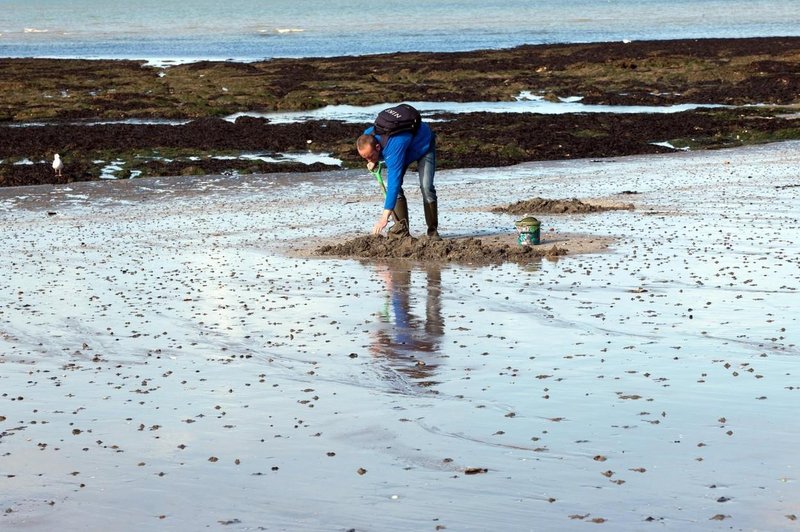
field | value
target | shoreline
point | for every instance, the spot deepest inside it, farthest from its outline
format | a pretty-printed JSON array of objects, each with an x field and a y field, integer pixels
[
  {"x": 639, "y": 72},
  {"x": 732, "y": 72},
  {"x": 168, "y": 62}
]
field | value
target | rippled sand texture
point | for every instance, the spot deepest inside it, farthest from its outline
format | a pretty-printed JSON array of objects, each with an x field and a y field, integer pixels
[{"x": 169, "y": 363}]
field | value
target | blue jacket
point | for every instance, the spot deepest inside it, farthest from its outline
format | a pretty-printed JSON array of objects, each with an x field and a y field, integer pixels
[{"x": 399, "y": 151}]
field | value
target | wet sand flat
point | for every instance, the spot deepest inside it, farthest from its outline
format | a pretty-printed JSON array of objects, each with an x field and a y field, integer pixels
[{"x": 176, "y": 357}]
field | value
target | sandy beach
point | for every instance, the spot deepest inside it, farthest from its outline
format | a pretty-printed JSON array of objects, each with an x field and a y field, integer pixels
[{"x": 176, "y": 357}]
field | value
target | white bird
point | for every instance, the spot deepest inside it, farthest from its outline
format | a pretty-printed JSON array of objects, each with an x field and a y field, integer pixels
[{"x": 57, "y": 165}]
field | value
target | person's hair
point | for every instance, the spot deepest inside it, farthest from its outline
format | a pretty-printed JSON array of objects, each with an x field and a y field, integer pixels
[{"x": 364, "y": 140}]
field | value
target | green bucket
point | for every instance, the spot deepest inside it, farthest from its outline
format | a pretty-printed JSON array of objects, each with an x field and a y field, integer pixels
[{"x": 529, "y": 231}]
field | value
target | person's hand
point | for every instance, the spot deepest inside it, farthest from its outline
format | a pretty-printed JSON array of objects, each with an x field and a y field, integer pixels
[
  {"x": 381, "y": 223},
  {"x": 370, "y": 166}
]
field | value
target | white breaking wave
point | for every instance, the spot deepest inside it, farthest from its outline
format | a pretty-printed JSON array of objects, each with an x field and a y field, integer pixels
[{"x": 280, "y": 31}]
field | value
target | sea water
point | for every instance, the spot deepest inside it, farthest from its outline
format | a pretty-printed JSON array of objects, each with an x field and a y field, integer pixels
[{"x": 248, "y": 30}]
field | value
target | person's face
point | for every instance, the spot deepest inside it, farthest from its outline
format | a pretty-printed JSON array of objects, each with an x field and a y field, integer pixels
[{"x": 370, "y": 153}]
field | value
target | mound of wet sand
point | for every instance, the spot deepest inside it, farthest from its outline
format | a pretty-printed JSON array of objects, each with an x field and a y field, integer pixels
[
  {"x": 469, "y": 250},
  {"x": 560, "y": 206}
]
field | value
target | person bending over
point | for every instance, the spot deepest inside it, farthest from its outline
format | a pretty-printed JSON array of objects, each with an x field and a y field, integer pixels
[{"x": 398, "y": 151}]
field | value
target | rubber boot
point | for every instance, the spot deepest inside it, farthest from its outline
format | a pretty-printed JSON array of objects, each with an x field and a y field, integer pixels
[
  {"x": 432, "y": 220},
  {"x": 400, "y": 227}
]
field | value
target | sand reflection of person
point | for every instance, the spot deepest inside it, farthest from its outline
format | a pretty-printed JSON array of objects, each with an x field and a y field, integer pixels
[{"x": 409, "y": 343}]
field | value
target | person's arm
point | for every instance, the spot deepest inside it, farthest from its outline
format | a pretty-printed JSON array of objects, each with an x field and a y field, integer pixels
[
  {"x": 394, "y": 157},
  {"x": 394, "y": 154}
]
